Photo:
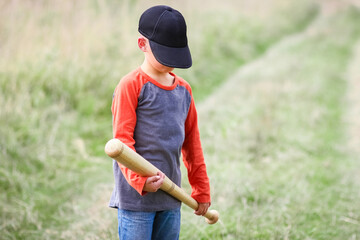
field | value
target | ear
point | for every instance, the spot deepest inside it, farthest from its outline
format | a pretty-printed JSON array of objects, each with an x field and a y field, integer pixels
[{"x": 142, "y": 43}]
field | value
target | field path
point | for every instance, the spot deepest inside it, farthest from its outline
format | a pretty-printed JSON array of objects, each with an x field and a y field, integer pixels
[
  {"x": 353, "y": 98},
  {"x": 352, "y": 118},
  {"x": 274, "y": 137}
]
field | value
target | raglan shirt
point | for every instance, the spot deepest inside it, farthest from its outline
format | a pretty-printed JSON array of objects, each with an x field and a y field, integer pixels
[{"x": 159, "y": 123}]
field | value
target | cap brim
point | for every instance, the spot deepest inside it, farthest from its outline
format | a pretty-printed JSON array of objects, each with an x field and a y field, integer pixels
[{"x": 170, "y": 56}]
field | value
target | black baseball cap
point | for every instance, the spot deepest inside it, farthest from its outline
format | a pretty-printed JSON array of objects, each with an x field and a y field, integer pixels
[{"x": 165, "y": 28}]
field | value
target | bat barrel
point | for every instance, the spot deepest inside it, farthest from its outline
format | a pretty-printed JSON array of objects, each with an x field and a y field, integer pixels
[
  {"x": 114, "y": 148},
  {"x": 124, "y": 155},
  {"x": 130, "y": 159}
]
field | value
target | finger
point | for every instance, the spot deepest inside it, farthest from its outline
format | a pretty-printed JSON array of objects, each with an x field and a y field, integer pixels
[
  {"x": 200, "y": 210},
  {"x": 205, "y": 211},
  {"x": 157, "y": 184},
  {"x": 161, "y": 178},
  {"x": 199, "y": 213},
  {"x": 161, "y": 175},
  {"x": 153, "y": 179}
]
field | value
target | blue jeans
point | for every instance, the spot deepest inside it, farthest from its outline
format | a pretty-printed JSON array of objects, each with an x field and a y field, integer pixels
[{"x": 135, "y": 225}]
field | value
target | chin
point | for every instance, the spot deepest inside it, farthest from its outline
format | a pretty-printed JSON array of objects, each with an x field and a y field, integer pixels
[
  {"x": 165, "y": 69},
  {"x": 169, "y": 69}
]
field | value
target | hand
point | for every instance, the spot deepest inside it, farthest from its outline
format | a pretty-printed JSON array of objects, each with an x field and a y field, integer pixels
[
  {"x": 153, "y": 183},
  {"x": 202, "y": 209}
]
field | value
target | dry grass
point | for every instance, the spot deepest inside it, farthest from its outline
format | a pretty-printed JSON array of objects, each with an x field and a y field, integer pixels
[
  {"x": 72, "y": 29},
  {"x": 78, "y": 29}
]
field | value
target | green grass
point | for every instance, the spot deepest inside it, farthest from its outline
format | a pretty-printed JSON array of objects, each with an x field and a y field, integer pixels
[{"x": 278, "y": 131}]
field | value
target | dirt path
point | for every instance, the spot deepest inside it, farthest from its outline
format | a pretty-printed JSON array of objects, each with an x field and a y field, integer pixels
[
  {"x": 353, "y": 98},
  {"x": 352, "y": 118}
]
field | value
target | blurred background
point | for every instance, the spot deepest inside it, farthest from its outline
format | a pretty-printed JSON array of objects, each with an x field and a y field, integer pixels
[{"x": 276, "y": 84}]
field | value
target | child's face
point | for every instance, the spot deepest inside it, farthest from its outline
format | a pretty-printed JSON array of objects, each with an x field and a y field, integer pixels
[{"x": 144, "y": 45}]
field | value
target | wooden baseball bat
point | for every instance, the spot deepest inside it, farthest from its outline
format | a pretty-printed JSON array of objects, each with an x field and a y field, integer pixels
[{"x": 132, "y": 160}]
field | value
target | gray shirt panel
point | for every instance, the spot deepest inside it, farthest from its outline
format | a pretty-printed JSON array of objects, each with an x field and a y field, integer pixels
[{"x": 159, "y": 135}]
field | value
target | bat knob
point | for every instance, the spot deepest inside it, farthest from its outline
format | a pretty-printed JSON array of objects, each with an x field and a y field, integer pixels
[
  {"x": 114, "y": 148},
  {"x": 213, "y": 216}
]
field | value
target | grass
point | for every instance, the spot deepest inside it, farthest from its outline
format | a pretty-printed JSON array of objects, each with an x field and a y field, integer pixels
[
  {"x": 279, "y": 165},
  {"x": 55, "y": 117}
]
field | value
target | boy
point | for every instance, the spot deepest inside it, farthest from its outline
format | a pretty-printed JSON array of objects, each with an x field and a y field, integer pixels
[{"x": 154, "y": 114}]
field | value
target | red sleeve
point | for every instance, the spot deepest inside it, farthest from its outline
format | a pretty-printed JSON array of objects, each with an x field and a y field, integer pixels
[
  {"x": 124, "y": 120},
  {"x": 194, "y": 159}
]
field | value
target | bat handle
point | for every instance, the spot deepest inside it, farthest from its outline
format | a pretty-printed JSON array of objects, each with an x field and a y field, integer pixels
[{"x": 211, "y": 216}]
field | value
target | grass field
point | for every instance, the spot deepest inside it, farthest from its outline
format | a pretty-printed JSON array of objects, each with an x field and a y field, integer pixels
[{"x": 276, "y": 84}]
